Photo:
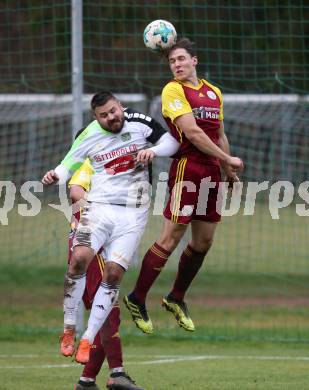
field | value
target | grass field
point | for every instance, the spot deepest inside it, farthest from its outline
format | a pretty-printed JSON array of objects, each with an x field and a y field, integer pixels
[
  {"x": 250, "y": 304},
  {"x": 253, "y": 343},
  {"x": 245, "y": 244},
  {"x": 160, "y": 364}
]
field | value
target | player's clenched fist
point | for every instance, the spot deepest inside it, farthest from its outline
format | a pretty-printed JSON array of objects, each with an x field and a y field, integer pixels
[
  {"x": 236, "y": 163},
  {"x": 50, "y": 177}
]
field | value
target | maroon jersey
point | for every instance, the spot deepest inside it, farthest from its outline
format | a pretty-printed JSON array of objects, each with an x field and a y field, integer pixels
[{"x": 205, "y": 102}]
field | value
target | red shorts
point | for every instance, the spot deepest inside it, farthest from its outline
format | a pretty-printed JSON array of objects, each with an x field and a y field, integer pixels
[
  {"x": 193, "y": 189},
  {"x": 93, "y": 276}
]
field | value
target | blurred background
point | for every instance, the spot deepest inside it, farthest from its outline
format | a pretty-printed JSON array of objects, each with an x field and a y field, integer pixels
[{"x": 255, "y": 283}]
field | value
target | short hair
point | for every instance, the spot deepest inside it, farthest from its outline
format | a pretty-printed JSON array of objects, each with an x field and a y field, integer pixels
[
  {"x": 182, "y": 43},
  {"x": 101, "y": 98}
]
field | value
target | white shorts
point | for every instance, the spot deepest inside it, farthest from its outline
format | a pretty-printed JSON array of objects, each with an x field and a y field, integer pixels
[{"x": 118, "y": 229}]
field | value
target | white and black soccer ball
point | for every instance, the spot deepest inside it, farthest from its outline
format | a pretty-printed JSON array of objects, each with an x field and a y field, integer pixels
[{"x": 159, "y": 35}]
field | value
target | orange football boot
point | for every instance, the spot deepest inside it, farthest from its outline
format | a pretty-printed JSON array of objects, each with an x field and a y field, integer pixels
[
  {"x": 67, "y": 341},
  {"x": 83, "y": 351}
]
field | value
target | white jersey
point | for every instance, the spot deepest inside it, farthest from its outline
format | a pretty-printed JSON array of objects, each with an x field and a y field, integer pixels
[{"x": 117, "y": 178}]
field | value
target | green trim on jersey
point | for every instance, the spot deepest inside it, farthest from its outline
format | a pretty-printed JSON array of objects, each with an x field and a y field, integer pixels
[
  {"x": 89, "y": 130},
  {"x": 71, "y": 164}
]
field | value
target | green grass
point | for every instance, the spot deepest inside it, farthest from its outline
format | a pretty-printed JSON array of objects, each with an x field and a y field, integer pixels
[
  {"x": 243, "y": 244},
  {"x": 163, "y": 364},
  {"x": 249, "y": 303},
  {"x": 235, "y": 345},
  {"x": 224, "y": 306}
]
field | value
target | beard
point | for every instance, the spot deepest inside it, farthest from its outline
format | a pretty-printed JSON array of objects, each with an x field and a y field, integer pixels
[{"x": 115, "y": 126}]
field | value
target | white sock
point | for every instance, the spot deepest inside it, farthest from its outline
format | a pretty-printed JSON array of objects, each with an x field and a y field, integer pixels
[
  {"x": 117, "y": 369},
  {"x": 74, "y": 286},
  {"x": 87, "y": 380},
  {"x": 102, "y": 305}
]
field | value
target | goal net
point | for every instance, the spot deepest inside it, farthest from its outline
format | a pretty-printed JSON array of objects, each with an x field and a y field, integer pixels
[{"x": 255, "y": 52}]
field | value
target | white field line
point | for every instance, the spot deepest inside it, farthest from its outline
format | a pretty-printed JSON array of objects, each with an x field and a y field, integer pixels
[
  {"x": 163, "y": 360},
  {"x": 220, "y": 357}
]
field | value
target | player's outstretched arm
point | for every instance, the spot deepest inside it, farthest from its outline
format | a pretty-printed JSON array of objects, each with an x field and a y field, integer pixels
[
  {"x": 166, "y": 146},
  {"x": 50, "y": 177}
]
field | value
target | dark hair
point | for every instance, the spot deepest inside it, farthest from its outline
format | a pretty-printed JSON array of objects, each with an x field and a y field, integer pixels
[
  {"x": 101, "y": 98},
  {"x": 182, "y": 43}
]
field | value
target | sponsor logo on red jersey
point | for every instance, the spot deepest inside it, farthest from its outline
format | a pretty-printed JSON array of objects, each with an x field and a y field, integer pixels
[{"x": 206, "y": 113}]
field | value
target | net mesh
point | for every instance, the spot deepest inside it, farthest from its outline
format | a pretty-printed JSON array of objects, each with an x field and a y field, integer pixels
[{"x": 256, "y": 52}]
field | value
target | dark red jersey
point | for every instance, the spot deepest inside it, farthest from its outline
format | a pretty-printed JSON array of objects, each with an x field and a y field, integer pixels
[{"x": 205, "y": 103}]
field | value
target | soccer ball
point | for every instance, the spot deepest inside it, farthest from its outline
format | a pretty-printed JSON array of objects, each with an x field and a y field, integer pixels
[{"x": 159, "y": 35}]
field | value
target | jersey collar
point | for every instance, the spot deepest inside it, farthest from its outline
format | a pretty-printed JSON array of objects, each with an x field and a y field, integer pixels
[{"x": 196, "y": 87}]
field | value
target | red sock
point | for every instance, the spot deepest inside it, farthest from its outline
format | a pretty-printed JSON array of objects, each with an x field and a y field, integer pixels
[
  {"x": 189, "y": 264},
  {"x": 111, "y": 339},
  {"x": 96, "y": 359},
  {"x": 153, "y": 262}
]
